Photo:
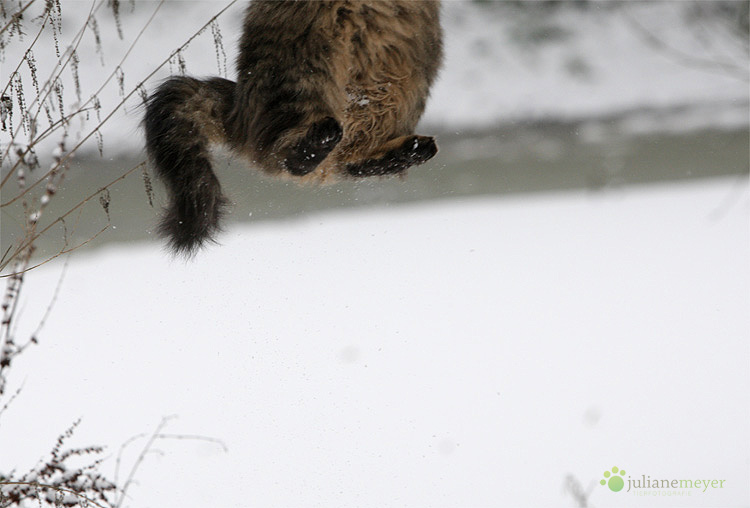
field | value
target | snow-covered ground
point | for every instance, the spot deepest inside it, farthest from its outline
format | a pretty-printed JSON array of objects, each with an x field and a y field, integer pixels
[
  {"x": 457, "y": 354},
  {"x": 502, "y": 64}
]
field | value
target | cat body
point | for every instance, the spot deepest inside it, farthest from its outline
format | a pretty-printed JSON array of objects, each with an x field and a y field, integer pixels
[{"x": 325, "y": 90}]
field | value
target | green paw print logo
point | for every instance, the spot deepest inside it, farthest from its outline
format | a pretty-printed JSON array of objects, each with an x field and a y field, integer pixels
[{"x": 615, "y": 482}]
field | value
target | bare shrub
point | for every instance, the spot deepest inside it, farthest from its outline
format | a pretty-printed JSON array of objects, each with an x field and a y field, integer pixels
[{"x": 47, "y": 114}]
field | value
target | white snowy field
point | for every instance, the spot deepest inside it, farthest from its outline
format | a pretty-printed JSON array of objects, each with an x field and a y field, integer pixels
[{"x": 460, "y": 353}]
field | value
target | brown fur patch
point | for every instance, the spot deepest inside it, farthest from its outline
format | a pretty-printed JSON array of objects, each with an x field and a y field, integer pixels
[{"x": 368, "y": 64}]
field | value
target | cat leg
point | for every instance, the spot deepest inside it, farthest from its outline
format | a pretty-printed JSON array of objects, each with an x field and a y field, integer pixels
[
  {"x": 306, "y": 153},
  {"x": 286, "y": 117},
  {"x": 394, "y": 156},
  {"x": 283, "y": 128}
]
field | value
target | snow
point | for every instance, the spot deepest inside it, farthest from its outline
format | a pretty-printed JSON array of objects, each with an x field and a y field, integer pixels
[{"x": 462, "y": 353}]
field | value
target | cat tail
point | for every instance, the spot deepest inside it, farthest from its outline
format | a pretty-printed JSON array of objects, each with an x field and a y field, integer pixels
[{"x": 183, "y": 117}]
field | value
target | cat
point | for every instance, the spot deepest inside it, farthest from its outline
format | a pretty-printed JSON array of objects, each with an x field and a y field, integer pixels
[{"x": 325, "y": 90}]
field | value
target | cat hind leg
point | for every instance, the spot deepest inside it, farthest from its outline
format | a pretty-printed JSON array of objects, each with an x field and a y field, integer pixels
[{"x": 394, "y": 157}]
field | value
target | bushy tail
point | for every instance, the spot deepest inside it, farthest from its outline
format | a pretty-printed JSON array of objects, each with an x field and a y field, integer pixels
[{"x": 183, "y": 117}]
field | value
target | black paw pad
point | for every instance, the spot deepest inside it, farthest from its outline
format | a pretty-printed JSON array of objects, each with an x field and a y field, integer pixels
[
  {"x": 415, "y": 150},
  {"x": 310, "y": 151},
  {"x": 325, "y": 133},
  {"x": 418, "y": 150}
]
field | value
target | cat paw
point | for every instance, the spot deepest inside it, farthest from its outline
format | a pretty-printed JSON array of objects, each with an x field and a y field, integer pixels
[
  {"x": 321, "y": 138},
  {"x": 417, "y": 150},
  {"x": 413, "y": 151}
]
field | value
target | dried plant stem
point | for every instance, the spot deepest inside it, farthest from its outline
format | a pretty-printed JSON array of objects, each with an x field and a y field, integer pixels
[
  {"x": 85, "y": 105},
  {"x": 8, "y": 348},
  {"x": 28, "y": 50},
  {"x": 119, "y": 105},
  {"x": 156, "y": 435},
  {"x": 49, "y": 85},
  {"x": 31, "y": 239},
  {"x": 64, "y": 251},
  {"x": 139, "y": 460},
  {"x": 10, "y": 400},
  {"x": 43, "y": 321},
  {"x": 14, "y": 17},
  {"x": 53, "y": 127},
  {"x": 53, "y": 481}
]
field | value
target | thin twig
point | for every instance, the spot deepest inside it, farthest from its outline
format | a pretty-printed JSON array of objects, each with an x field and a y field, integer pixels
[
  {"x": 122, "y": 102},
  {"x": 124, "y": 445},
  {"x": 51, "y": 303},
  {"x": 53, "y": 127},
  {"x": 194, "y": 437},
  {"x": 84, "y": 107},
  {"x": 49, "y": 85},
  {"x": 10, "y": 401},
  {"x": 140, "y": 458},
  {"x": 16, "y": 15},
  {"x": 30, "y": 241},
  {"x": 157, "y": 435},
  {"x": 67, "y": 251},
  {"x": 28, "y": 50}
]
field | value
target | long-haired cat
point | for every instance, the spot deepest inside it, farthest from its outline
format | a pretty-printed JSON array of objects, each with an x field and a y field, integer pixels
[{"x": 325, "y": 90}]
